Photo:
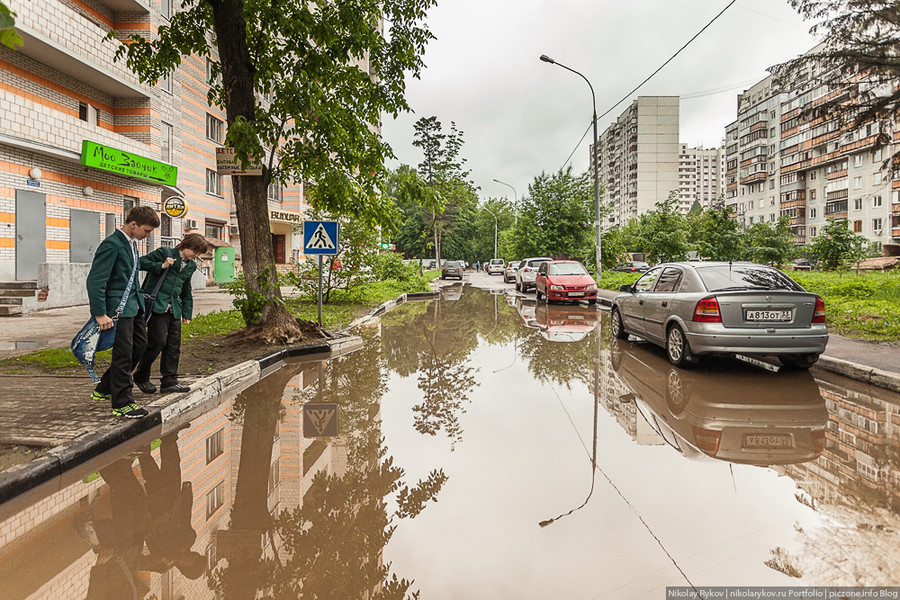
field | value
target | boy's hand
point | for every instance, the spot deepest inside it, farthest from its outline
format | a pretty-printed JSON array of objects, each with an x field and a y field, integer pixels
[{"x": 168, "y": 262}]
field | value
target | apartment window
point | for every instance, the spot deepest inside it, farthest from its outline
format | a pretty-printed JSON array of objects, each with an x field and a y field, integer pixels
[
  {"x": 812, "y": 232},
  {"x": 213, "y": 75},
  {"x": 812, "y": 213},
  {"x": 772, "y": 132},
  {"x": 812, "y": 175},
  {"x": 215, "y": 498},
  {"x": 215, "y": 230},
  {"x": 165, "y": 142},
  {"x": 87, "y": 113},
  {"x": 772, "y": 182},
  {"x": 751, "y": 205},
  {"x": 857, "y": 226},
  {"x": 165, "y": 83},
  {"x": 857, "y": 160},
  {"x": 127, "y": 204},
  {"x": 274, "y": 476},
  {"x": 215, "y": 129},
  {"x": 165, "y": 8},
  {"x": 876, "y": 201},
  {"x": 812, "y": 194},
  {"x": 215, "y": 445},
  {"x": 751, "y": 220},
  {"x": 274, "y": 192},
  {"x": 857, "y": 183},
  {"x": 876, "y": 156},
  {"x": 876, "y": 226},
  {"x": 876, "y": 178},
  {"x": 857, "y": 204},
  {"x": 213, "y": 183},
  {"x": 211, "y": 559},
  {"x": 772, "y": 217}
]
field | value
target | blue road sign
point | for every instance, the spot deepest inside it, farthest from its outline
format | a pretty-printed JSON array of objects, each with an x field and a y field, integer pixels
[{"x": 320, "y": 237}]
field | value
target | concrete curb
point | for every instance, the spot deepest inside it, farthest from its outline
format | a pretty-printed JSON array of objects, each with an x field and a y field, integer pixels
[
  {"x": 68, "y": 455},
  {"x": 391, "y": 305},
  {"x": 864, "y": 374}
]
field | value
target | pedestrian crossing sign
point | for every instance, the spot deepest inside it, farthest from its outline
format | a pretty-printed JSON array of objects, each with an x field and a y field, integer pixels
[{"x": 320, "y": 237}]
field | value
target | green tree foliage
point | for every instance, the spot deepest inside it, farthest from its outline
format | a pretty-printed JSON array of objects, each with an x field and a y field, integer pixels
[
  {"x": 557, "y": 217},
  {"x": 8, "y": 35},
  {"x": 718, "y": 235},
  {"x": 665, "y": 231},
  {"x": 770, "y": 242},
  {"x": 859, "y": 55},
  {"x": 837, "y": 247},
  {"x": 318, "y": 126}
]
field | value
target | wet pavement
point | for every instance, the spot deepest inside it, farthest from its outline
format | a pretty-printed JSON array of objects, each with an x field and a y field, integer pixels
[{"x": 489, "y": 447}]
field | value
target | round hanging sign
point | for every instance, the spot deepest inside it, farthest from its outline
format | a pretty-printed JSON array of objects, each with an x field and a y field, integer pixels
[{"x": 175, "y": 207}]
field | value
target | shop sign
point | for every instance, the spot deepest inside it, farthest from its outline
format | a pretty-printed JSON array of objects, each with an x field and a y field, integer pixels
[
  {"x": 175, "y": 207},
  {"x": 120, "y": 162},
  {"x": 284, "y": 216},
  {"x": 228, "y": 164}
]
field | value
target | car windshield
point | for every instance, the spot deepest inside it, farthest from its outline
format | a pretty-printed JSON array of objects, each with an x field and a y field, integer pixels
[
  {"x": 451, "y": 265},
  {"x": 722, "y": 278},
  {"x": 496, "y": 261},
  {"x": 567, "y": 269}
]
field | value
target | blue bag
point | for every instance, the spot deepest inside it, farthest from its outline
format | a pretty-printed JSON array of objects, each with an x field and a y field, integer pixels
[{"x": 91, "y": 340}]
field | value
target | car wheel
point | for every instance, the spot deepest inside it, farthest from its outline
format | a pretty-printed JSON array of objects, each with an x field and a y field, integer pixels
[
  {"x": 676, "y": 393},
  {"x": 677, "y": 348},
  {"x": 798, "y": 361},
  {"x": 618, "y": 328}
]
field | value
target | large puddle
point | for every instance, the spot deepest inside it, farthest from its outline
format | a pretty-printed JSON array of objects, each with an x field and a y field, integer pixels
[{"x": 486, "y": 447}]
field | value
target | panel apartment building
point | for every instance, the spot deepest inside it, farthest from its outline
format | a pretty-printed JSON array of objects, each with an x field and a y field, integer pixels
[
  {"x": 638, "y": 157},
  {"x": 62, "y": 96},
  {"x": 779, "y": 163},
  {"x": 701, "y": 176}
]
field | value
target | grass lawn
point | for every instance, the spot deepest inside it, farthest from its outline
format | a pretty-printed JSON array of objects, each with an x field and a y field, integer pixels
[{"x": 863, "y": 306}]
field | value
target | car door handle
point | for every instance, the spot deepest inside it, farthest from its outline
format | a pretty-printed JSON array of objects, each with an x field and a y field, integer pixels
[
  {"x": 665, "y": 304},
  {"x": 640, "y": 302}
]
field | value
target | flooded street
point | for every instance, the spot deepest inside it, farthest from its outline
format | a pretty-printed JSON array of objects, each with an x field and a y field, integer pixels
[{"x": 488, "y": 447}]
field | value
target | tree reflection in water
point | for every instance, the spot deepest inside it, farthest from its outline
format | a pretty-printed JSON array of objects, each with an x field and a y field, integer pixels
[{"x": 331, "y": 545}]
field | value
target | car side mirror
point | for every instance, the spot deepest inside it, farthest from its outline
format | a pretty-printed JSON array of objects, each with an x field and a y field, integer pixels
[{"x": 625, "y": 288}]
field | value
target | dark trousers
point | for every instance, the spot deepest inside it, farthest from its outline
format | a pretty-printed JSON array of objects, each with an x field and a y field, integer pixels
[
  {"x": 128, "y": 347},
  {"x": 164, "y": 335}
]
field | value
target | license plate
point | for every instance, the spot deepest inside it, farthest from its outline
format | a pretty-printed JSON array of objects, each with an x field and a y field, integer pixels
[
  {"x": 574, "y": 294},
  {"x": 769, "y": 315},
  {"x": 768, "y": 440}
]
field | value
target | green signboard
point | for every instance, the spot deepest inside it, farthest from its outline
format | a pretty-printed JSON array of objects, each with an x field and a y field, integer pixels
[{"x": 125, "y": 163}]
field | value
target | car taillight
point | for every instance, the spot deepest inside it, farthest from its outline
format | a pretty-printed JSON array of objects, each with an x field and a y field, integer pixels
[
  {"x": 818, "y": 438},
  {"x": 707, "y": 440},
  {"x": 707, "y": 311},
  {"x": 819, "y": 315}
]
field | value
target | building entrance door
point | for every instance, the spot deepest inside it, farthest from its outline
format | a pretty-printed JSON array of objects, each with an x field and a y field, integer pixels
[
  {"x": 85, "y": 235},
  {"x": 31, "y": 233},
  {"x": 278, "y": 246}
]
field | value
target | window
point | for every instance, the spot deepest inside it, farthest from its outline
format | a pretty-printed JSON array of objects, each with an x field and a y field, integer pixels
[
  {"x": 213, "y": 75},
  {"x": 771, "y": 200},
  {"x": 812, "y": 175},
  {"x": 165, "y": 225},
  {"x": 647, "y": 280},
  {"x": 857, "y": 204},
  {"x": 857, "y": 183},
  {"x": 127, "y": 204},
  {"x": 771, "y": 217},
  {"x": 165, "y": 8},
  {"x": 876, "y": 201},
  {"x": 215, "y": 445},
  {"x": 857, "y": 226},
  {"x": 215, "y": 230},
  {"x": 857, "y": 160},
  {"x": 751, "y": 205},
  {"x": 812, "y": 213},
  {"x": 812, "y": 232},
  {"x": 211, "y": 558},
  {"x": 215, "y": 498},
  {"x": 274, "y": 192},
  {"x": 213, "y": 183},
  {"x": 165, "y": 83},
  {"x": 165, "y": 142},
  {"x": 772, "y": 182},
  {"x": 812, "y": 194},
  {"x": 87, "y": 113},
  {"x": 876, "y": 226},
  {"x": 214, "y": 129},
  {"x": 669, "y": 281},
  {"x": 274, "y": 476},
  {"x": 876, "y": 178}
]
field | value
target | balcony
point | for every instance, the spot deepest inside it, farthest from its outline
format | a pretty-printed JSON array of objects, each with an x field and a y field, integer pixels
[
  {"x": 837, "y": 195},
  {"x": 754, "y": 178},
  {"x": 836, "y": 174}
]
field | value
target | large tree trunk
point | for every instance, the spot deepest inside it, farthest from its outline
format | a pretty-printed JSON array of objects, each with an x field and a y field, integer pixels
[{"x": 275, "y": 324}]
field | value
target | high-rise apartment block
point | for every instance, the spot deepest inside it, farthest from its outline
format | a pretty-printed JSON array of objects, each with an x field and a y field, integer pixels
[
  {"x": 82, "y": 140},
  {"x": 638, "y": 158},
  {"x": 701, "y": 176},
  {"x": 782, "y": 162}
]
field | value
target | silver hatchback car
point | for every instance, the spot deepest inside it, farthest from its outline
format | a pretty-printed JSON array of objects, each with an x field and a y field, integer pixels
[{"x": 697, "y": 308}]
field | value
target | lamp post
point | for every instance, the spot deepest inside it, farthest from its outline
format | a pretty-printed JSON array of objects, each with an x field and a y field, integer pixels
[
  {"x": 598, "y": 251},
  {"x": 495, "y": 229},
  {"x": 515, "y": 202}
]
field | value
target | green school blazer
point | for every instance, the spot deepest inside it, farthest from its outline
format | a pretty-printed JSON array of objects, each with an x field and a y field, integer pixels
[
  {"x": 112, "y": 265},
  {"x": 176, "y": 287}
]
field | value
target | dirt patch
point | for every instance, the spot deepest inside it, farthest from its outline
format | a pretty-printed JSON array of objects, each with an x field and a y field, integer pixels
[{"x": 11, "y": 455}]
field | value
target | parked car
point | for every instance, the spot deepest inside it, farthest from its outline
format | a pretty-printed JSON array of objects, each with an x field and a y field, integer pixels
[
  {"x": 735, "y": 413},
  {"x": 452, "y": 268},
  {"x": 697, "y": 308},
  {"x": 565, "y": 323},
  {"x": 509, "y": 273},
  {"x": 802, "y": 264},
  {"x": 564, "y": 280},
  {"x": 497, "y": 265},
  {"x": 632, "y": 266},
  {"x": 527, "y": 272}
]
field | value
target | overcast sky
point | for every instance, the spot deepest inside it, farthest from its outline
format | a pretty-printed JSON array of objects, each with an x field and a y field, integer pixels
[{"x": 521, "y": 116}]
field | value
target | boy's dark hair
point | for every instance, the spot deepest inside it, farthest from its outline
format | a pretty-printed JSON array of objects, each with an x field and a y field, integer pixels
[
  {"x": 195, "y": 242},
  {"x": 143, "y": 215}
]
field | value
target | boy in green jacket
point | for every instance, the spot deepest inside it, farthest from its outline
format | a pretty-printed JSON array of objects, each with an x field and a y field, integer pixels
[
  {"x": 173, "y": 306},
  {"x": 112, "y": 267}
]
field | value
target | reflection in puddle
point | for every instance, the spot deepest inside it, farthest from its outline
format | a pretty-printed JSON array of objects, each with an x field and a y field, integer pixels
[{"x": 465, "y": 424}]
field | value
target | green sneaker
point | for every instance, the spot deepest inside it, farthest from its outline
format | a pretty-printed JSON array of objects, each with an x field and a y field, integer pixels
[
  {"x": 130, "y": 411},
  {"x": 98, "y": 397}
]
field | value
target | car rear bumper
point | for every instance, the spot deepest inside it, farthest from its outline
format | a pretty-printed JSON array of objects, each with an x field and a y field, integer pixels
[{"x": 787, "y": 341}]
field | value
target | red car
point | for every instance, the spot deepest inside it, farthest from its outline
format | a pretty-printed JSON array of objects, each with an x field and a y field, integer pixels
[{"x": 564, "y": 280}]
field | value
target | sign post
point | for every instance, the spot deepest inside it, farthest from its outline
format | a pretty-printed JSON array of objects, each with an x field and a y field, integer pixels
[{"x": 320, "y": 238}]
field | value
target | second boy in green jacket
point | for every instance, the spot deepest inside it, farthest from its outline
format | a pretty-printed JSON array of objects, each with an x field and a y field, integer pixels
[{"x": 173, "y": 306}]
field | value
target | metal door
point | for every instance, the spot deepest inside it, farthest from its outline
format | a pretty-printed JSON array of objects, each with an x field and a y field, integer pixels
[
  {"x": 110, "y": 225},
  {"x": 84, "y": 236},
  {"x": 31, "y": 233}
]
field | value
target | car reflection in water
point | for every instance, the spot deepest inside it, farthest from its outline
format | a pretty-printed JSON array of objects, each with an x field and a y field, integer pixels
[
  {"x": 565, "y": 323},
  {"x": 734, "y": 413},
  {"x": 452, "y": 292}
]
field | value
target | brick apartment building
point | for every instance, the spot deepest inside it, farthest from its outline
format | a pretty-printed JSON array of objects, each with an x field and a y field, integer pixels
[
  {"x": 701, "y": 176},
  {"x": 63, "y": 96},
  {"x": 781, "y": 163}
]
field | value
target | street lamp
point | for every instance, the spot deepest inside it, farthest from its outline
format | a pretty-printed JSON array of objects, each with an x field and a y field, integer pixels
[
  {"x": 515, "y": 203},
  {"x": 598, "y": 251},
  {"x": 495, "y": 229}
]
